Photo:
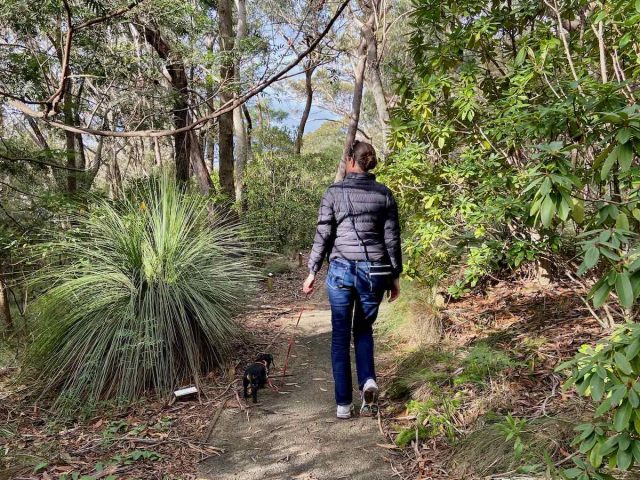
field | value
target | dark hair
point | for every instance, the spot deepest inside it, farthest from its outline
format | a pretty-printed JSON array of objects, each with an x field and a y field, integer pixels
[{"x": 364, "y": 155}]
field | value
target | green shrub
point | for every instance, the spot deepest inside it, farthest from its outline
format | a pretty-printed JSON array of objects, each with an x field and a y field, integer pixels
[
  {"x": 284, "y": 192},
  {"x": 608, "y": 373},
  {"x": 141, "y": 296}
]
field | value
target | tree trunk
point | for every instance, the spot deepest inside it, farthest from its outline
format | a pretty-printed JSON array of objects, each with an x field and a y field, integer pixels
[
  {"x": 225, "y": 121},
  {"x": 308, "y": 74},
  {"x": 91, "y": 173},
  {"x": 356, "y": 104},
  {"x": 249, "y": 124},
  {"x": 41, "y": 141},
  {"x": 180, "y": 111},
  {"x": 5, "y": 308},
  {"x": 377, "y": 88},
  {"x": 198, "y": 164},
  {"x": 239, "y": 127},
  {"x": 70, "y": 137}
]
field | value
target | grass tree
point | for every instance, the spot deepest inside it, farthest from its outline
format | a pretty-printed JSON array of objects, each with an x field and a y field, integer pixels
[{"x": 141, "y": 297}]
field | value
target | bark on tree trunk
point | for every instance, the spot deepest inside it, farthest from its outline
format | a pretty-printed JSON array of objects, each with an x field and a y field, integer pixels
[
  {"x": 5, "y": 308},
  {"x": 239, "y": 128},
  {"x": 375, "y": 79},
  {"x": 356, "y": 104},
  {"x": 91, "y": 173},
  {"x": 72, "y": 180},
  {"x": 225, "y": 121},
  {"x": 198, "y": 164},
  {"x": 180, "y": 84},
  {"x": 308, "y": 74}
]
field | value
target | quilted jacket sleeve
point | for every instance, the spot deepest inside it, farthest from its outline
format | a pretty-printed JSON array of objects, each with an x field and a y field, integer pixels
[
  {"x": 392, "y": 235},
  {"x": 325, "y": 233}
]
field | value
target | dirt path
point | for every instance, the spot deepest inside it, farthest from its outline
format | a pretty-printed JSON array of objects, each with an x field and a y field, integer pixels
[{"x": 295, "y": 435}]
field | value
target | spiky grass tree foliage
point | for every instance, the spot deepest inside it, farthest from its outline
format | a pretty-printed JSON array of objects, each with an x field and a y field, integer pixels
[{"x": 141, "y": 298}]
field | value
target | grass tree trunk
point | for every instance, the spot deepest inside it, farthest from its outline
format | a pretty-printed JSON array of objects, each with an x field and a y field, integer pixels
[
  {"x": 308, "y": 85},
  {"x": 356, "y": 105},
  {"x": 225, "y": 121}
]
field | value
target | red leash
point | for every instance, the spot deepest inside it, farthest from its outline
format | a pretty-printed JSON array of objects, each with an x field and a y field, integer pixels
[{"x": 291, "y": 337}]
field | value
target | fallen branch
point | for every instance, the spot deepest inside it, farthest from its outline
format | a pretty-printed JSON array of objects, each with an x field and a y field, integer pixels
[{"x": 214, "y": 421}]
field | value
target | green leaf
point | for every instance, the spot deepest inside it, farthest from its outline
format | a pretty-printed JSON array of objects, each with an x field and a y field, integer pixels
[
  {"x": 603, "y": 407},
  {"x": 595, "y": 456},
  {"x": 635, "y": 449},
  {"x": 624, "y": 458},
  {"x": 632, "y": 350},
  {"x": 572, "y": 472},
  {"x": 623, "y": 135},
  {"x": 588, "y": 444},
  {"x": 577, "y": 212},
  {"x": 622, "y": 417},
  {"x": 625, "y": 156},
  {"x": 601, "y": 294},
  {"x": 622, "y": 221},
  {"x": 622, "y": 363},
  {"x": 547, "y": 210},
  {"x": 634, "y": 399},
  {"x": 617, "y": 394},
  {"x": 624, "y": 289},
  {"x": 597, "y": 388},
  {"x": 591, "y": 257},
  {"x": 609, "y": 162}
]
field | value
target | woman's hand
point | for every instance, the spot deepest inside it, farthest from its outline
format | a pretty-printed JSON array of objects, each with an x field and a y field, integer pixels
[
  {"x": 394, "y": 291},
  {"x": 307, "y": 286}
]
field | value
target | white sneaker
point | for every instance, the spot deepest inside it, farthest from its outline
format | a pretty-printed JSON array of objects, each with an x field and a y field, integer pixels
[
  {"x": 344, "y": 411},
  {"x": 369, "y": 406}
]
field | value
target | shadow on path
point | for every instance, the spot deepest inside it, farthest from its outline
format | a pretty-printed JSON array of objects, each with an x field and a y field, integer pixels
[{"x": 295, "y": 435}]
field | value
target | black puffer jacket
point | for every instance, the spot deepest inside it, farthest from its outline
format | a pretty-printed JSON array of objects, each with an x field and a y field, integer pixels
[{"x": 375, "y": 214}]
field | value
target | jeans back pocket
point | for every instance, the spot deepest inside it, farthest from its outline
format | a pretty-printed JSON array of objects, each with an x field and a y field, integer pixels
[{"x": 336, "y": 275}]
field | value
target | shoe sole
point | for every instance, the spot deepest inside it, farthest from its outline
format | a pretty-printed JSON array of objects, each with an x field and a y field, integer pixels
[{"x": 369, "y": 403}]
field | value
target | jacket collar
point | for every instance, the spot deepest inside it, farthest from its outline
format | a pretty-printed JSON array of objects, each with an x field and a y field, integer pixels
[{"x": 361, "y": 176}]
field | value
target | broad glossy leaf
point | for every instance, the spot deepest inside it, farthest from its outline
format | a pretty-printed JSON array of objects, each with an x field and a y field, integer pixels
[
  {"x": 601, "y": 294},
  {"x": 625, "y": 156},
  {"x": 622, "y": 363},
  {"x": 622, "y": 417},
  {"x": 547, "y": 210},
  {"x": 622, "y": 221},
  {"x": 597, "y": 387},
  {"x": 624, "y": 458},
  {"x": 604, "y": 407},
  {"x": 591, "y": 257},
  {"x": 624, "y": 290},
  {"x": 612, "y": 158}
]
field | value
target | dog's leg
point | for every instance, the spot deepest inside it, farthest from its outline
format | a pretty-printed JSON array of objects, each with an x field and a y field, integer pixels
[
  {"x": 254, "y": 392},
  {"x": 245, "y": 384}
]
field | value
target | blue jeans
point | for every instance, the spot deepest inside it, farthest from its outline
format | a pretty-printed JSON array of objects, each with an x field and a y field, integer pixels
[{"x": 355, "y": 297}]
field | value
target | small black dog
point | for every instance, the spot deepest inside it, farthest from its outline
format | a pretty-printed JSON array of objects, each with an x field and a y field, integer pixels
[{"x": 256, "y": 376}]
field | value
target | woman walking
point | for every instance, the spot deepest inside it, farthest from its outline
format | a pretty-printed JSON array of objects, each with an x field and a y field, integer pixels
[{"x": 358, "y": 232}]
